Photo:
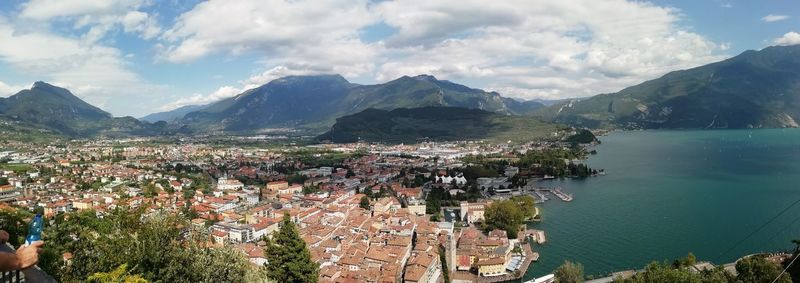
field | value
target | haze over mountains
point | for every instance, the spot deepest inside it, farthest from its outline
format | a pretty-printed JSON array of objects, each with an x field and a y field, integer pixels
[{"x": 752, "y": 90}]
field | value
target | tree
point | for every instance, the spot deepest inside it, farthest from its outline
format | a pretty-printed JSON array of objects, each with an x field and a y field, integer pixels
[
  {"x": 758, "y": 269},
  {"x": 508, "y": 215},
  {"x": 443, "y": 261},
  {"x": 687, "y": 261},
  {"x": 364, "y": 203},
  {"x": 794, "y": 269},
  {"x": 288, "y": 258},
  {"x": 569, "y": 272},
  {"x": 119, "y": 275}
]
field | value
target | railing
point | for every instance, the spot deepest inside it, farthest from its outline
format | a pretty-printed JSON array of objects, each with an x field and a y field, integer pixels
[
  {"x": 33, "y": 274},
  {"x": 10, "y": 276}
]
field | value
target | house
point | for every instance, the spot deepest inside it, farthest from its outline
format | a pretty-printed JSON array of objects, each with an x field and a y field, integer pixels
[
  {"x": 276, "y": 186},
  {"x": 224, "y": 184},
  {"x": 423, "y": 267},
  {"x": 493, "y": 266}
]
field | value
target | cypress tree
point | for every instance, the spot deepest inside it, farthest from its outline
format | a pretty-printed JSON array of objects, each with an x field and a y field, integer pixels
[{"x": 288, "y": 258}]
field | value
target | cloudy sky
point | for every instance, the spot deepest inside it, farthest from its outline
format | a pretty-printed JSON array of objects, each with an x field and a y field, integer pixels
[{"x": 134, "y": 57}]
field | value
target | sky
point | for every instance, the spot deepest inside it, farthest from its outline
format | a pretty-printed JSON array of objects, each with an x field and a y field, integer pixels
[{"x": 135, "y": 57}]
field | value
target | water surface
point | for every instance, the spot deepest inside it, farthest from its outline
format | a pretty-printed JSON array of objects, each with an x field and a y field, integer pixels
[{"x": 668, "y": 193}]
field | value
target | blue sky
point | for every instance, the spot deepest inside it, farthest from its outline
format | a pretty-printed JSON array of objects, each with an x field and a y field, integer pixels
[{"x": 135, "y": 57}]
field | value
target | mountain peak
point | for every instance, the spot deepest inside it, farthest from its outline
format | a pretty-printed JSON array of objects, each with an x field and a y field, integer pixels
[
  {"x": 316, "y": 78},
  {"x": 42, "y": 84},
  {"x": 426, "y": 77}
]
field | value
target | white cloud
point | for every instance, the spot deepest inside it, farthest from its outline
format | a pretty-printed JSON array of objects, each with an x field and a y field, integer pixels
[
  {"x": 98, "y": 16},
  {"x": 94, "y": 72},
  {"x": 774, "y": 18},
  {"x": 200, "y": 99},
  {"x": 142, "y": 23},
  {"x": 544, "y": 48},
  {"x": 275, "y": 28},
  {"x": 249, "y": 83},
  {"x": 7, "y": 90},
  {"x": 789, "y": 38}
]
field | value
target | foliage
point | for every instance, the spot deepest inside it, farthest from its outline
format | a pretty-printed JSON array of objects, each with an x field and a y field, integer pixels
[
  {"x": 409, "y": 125},
  {"x": 119, "y": 275},
  {"x": 551, "y": 161},
  {"x": 757, "y": 269},
  {"x": 364, "y": 203},
  {"x": 582, "y": 136},
  {"x": 443, "y": 261},
  {"x": 15, "y": 222},
  {"x": 569, "y": 272},
  {"x": 751, "y": 269},
  {"x": 508, "y": 215},
  {"x": 288, "y": 258},
  {"x": 156, "y": 247}
]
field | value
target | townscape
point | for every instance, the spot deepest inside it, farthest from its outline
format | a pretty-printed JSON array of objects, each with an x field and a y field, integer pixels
[{"x": 365, "y": 211}]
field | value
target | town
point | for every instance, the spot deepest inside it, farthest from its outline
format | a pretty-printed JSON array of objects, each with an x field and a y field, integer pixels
[{"x": 366, "y": 212}]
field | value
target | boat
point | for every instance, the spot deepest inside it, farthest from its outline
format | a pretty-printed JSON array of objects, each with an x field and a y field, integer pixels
[{"x": 544, "y": 279}]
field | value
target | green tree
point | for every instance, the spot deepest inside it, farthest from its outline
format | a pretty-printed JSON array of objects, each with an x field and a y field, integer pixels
[
  {"x": 119, "y": 275},
  {"x": 364, "y": 202},
  {"x": 687, "y": 261},
  {"x": 758, "y": 269},
  {"x": 569, "y": 272},
  {"x": 508, "y": 215},
  {"x": 288, "y": 258},
  {"x": 443, "y": 261}
]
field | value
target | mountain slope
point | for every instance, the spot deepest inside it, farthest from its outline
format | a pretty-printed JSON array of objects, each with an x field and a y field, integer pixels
[
  {"x": 752, "y": 90},
  {"x": 171, "y": 115},
  {"x": 403, "y": 125},
  {"x": 314, "y": 102},
  {"x": 55, "y": 110}
]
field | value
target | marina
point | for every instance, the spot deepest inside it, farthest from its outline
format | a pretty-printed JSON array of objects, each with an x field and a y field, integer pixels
[{"x": 540, "y": 194}]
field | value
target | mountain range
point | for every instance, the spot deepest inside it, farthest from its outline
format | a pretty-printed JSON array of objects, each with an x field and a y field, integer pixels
[
  {"x": 756, "y": 89},
  {"x": 314, "y": 102}
]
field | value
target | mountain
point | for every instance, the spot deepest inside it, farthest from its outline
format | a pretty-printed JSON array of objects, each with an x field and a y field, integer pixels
[
  {"x": 523, "y": 107},
  {"x": 404, "y": 125},
  {"x": 756, "y": 89},
  {"x": 171, "y": 115},
  {"x": 314, "y": 102},
  {"x": 53, "y": 110}
]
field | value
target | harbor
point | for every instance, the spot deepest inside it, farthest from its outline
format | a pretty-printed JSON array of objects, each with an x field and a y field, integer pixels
[{"x": 540, "y": 194}]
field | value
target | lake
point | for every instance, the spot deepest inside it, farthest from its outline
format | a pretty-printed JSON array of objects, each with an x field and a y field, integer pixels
[{"x": 668, "y": 193}]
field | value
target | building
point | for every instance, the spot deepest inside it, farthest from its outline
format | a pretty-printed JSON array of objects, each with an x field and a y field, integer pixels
[
  {"x": 276, "y": 186},
  {"x": 224, "y": 184}
]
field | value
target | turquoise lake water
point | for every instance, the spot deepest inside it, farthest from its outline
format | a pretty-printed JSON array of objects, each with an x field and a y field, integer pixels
[{"x": 668, "y": 193}]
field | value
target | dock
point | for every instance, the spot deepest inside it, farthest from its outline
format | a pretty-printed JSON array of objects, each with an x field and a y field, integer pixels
[
  {"x": 537, "y": 235},
  {"x": 563, "y": 196},
  {"x": 541, "y": 194}
]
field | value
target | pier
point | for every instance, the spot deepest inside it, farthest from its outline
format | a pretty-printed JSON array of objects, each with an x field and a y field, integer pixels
[
  {"x": 536, "y": 235},
  {"x": 562, "y": 195},
  {"x": 541, "y": 194}
]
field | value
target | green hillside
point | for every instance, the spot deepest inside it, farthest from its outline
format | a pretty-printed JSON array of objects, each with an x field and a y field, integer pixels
[
  {"x": 756, "y": 89},
  {"x": 314, "y": 102},
  {"x": 404, "y": 125}
]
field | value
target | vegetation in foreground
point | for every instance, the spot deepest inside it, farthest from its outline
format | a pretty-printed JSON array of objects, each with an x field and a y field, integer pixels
[
  {"x": 753, "y": 269},
  {"x": 128, "y": 246}
]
